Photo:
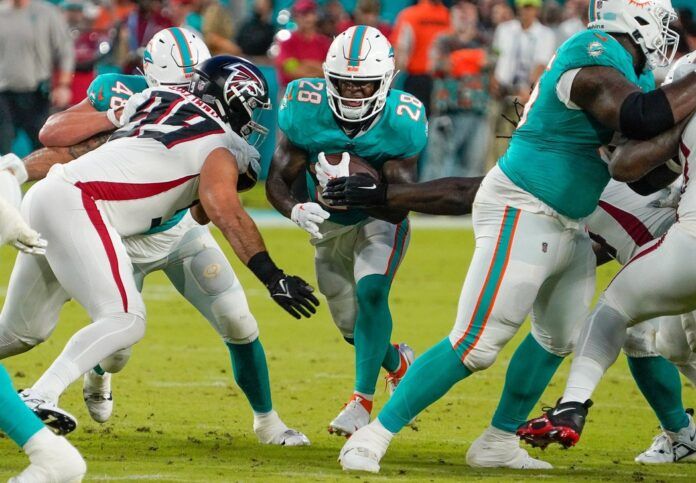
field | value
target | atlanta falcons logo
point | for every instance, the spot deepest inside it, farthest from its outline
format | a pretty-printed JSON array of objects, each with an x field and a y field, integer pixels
[{"x": 242, "y": 80}]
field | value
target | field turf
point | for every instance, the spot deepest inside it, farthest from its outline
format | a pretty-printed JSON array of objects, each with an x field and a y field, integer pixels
[{"x": 180, "y": 417}]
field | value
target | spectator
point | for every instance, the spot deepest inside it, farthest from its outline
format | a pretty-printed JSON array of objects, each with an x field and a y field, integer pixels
[
  {"x": 34, "y": 38},
  {"x": 458, "y": 129},
  {"x": 303, "y": 53},
  {"x": 218, "y": 30},
  {"x": 187, "y": 14},
  {"x": 416, "y": 28},
  {"x": 367, "y": 13},
  {"x": 257, "y": 33},
  {"x": 524, "y": 47},
  {"x": 331, "y": 17},
  {"x": 141, "y": 24},
  {"x": 576, "y": 20},
  {"x": 112, "y": 13}
]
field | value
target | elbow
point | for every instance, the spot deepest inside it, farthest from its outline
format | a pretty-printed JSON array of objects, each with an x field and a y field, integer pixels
[
  {"x": 623, "y": 172},
  {"x": 48, "y": 135}
]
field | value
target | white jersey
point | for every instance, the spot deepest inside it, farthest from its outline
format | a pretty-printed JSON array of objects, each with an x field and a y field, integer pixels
[
  {"x": 624, "y": 220},
  {"x": 149, "y": 170},
  {"x": 687, "y": 157}
]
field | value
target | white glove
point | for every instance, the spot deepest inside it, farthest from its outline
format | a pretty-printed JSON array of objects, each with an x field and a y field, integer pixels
[
  {"x": 14, "y": 165},
  {"x": 132, "y": 105},
  {"x": 672, "y": 195},
  {"x": 309, "y": 216},
  {"x": 15, "y": 231},
  {"x": 326, "y": 171},
  {"x": 10, "y": 190}
]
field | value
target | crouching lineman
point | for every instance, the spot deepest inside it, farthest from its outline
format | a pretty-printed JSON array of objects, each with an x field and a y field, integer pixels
[
  {"x": 353, "y": 110},
  {"x": 51, "y": 457},
  {"x": 657, "y": 281},
  {"x": 193, "y": 144},
  {"x": 532, "y": 251}
]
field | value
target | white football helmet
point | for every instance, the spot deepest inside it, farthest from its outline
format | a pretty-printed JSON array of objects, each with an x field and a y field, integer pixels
[
  {"x": 361, "y": 53},
  {"x": 681, "y": 68},
  {"x": 647, "y": 22},
  {"x": 171, "y": 55}
]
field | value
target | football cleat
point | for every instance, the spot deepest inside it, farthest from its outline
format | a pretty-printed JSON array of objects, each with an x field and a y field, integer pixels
[
  {"x": 672, "y": 447},
  {"x": 364, "y": 450},
  {"x": 562, "y": 424},
  {"x": 496, "y": 448},
  {"x": 407, "y": 356},
  {"x": 270, "y": 429},
  {"x": 59, "y": 421},
  {"x": 353, "y": 417},
  {"x": 52, "y": 459},
  {"x": 96, "y": 391}
]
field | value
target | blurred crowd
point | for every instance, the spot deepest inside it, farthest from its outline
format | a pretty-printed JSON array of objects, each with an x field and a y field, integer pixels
[{"x": 471, "y": 62}]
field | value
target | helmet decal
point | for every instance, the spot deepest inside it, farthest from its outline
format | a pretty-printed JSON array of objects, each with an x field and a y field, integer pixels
[
  {"x": 182, "y": 45},
  {"x": 242, "y": 80},
  {"x": 356, "y": 47}
]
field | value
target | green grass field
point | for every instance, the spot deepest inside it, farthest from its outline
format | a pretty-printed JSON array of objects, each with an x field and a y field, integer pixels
[{"x": 179, "y": 416}]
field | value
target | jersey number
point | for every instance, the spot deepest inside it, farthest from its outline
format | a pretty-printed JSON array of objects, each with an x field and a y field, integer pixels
[
  {"x": 116, "y": 101},
  {"x": 412, "y": 112},
  {"x": 311, "y": 96}
]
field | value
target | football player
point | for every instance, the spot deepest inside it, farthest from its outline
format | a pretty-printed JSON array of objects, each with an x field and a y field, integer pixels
[
  {"x": 655, "y": 282},
  {"x": 352, "y": 110},
  {"x": 532, "y": 252},
  {"x": 52, "y": 458},
  {"x": 185, "y": 251}
]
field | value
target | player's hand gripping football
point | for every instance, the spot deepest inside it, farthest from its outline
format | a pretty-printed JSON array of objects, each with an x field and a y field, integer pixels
[
  {"x": 309, "y": 216},
  {"x": 355, "y": 190},
  {"x": 294, "y": 295},
  {"x": 326, "y": 171},
  {"x": 15, "y": 231}
]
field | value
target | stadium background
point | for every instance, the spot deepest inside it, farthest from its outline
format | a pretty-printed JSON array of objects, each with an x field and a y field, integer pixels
[{"x": 179, "y": 416}]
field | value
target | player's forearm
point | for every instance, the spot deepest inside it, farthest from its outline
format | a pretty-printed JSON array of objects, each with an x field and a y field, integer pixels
[
  {"x": 634, "y": 159},
  {"x": 682, "y": 97},
  {"x": 69, "y": 128},
  {"x": 40, "y": 161},
  {"x": 445, "y": 196},
  {"x": 239, "y": 230},
  {"x": 279, "y": 194}
]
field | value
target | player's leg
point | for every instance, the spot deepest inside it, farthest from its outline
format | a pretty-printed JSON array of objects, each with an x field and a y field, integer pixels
[
  {"x": 52, "y": 458},
  {"x": 672, "y": 342},
  {"x": 30, "y": 312},
  {"x": 201, "y": 273},
  {"x": 90, "y": 262},
  {"x": 561, "y": 306},
  {"x": 655, "y": 282},
  {"x": 502, "y": 282}
]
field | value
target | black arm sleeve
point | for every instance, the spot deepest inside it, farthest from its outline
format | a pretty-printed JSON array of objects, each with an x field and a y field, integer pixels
[{"x": 645, "y": 115}]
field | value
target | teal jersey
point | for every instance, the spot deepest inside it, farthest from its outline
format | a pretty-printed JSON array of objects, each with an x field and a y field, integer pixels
[
  {"x": 111, "y": 91},
  {"x": 307, "y": 121},
  {"x": 554, "y": 153}
]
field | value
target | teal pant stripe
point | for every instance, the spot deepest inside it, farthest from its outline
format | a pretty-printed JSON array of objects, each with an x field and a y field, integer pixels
[
  {"x": 491, "y": 284},
  {"x": 401, "y": 237}
]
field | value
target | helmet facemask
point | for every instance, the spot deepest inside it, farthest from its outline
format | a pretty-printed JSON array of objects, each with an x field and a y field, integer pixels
[
  {"x": 366, "y": 107},
  {"x": 657, "y": 39},
  {"x": 244, "y": 109}
]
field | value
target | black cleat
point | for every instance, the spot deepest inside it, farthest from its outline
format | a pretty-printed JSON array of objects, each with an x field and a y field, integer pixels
[{"x": 562, "y": 424}]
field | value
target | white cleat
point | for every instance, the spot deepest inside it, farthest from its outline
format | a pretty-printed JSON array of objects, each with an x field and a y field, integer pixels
[
  {"x": 52, "y": 460},
  {"x": 496, "y": 448},
  {"x": 96, "y": 391},
  {"x": 365, "y": 449},
  {"x": 59, "y": 421},
  {"x": 351, "y": 418},
  {"x": 407, "y": 357},
  {"x": 671, "y": 447},
  {"x": 270, "y": 429}
]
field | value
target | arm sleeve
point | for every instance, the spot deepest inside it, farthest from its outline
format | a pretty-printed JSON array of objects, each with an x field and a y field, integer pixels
[{"x": 565, "y": 86}]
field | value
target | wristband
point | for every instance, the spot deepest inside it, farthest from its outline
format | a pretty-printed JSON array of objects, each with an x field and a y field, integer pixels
[{"x": 263, "y": 267}]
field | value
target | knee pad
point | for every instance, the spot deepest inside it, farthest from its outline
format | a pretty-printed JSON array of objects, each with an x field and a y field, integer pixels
[
  {"x": 640, "y": 340},
  {"x": 233, "y": 320},
  {"x": 117, "y": 361},
  {"x": 212, "y": 271},
  {"x": 480, "y": 358}
]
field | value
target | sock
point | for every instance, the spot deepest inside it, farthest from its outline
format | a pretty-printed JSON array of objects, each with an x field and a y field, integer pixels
[
  {"x": 392, "y": 359},
  {"x": 601, "y": 339},
  {"x": 99, "y": 370},
  {"x": 251, "y": 374},
  {"x": 372, "y": 330},
  {"x": 528, "y": 374},
  {"x": 659, "y": 381},
  {"x": 16, "y": 419},
  {"x": 428, "y": 379}
]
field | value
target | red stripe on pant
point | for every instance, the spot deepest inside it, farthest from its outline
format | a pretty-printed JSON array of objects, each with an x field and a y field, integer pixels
[{"x": 98, "y": 223}]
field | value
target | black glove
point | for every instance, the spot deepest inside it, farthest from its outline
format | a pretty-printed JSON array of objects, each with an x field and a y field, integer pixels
[
  {"x": 294, "y": 295},
  {"x": 355, "y": 190},
  {"x": 290, "y": 292}
]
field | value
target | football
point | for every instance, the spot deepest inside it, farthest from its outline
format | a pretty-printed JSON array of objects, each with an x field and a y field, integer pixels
[{"x": 357, "y": 165}]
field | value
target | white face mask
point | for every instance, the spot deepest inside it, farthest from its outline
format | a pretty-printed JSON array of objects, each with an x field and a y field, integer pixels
[{"x": 357, "y": 110}]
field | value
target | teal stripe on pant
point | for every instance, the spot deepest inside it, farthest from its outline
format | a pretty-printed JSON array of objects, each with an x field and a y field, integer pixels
[{"x": 17, "y": 420}]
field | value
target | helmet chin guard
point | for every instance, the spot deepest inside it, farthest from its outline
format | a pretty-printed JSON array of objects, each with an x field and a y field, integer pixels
[{"x": 360, "y": 54}]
